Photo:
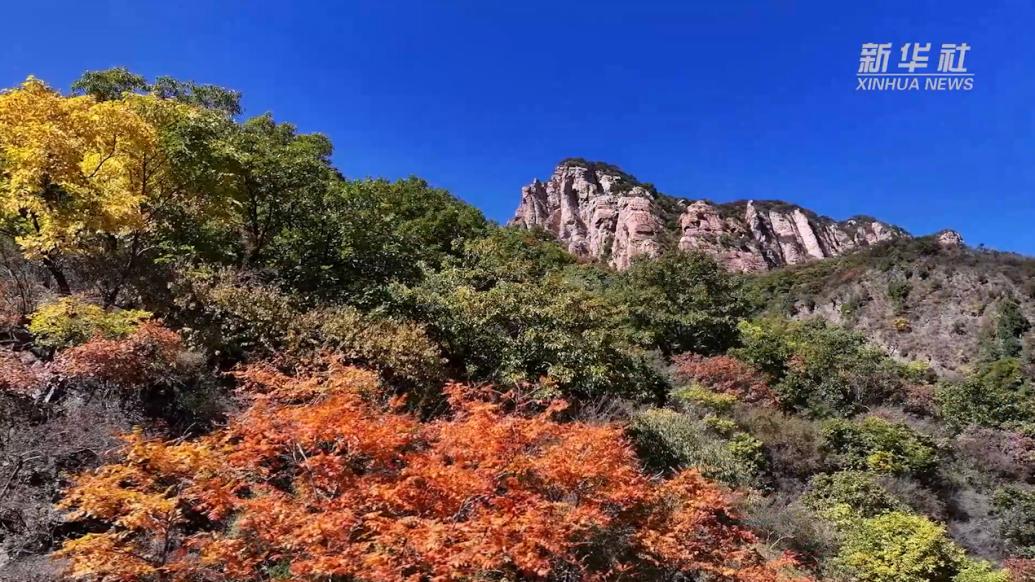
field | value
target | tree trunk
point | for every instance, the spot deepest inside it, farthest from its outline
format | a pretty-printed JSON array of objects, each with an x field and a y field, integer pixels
[{"x": 58, "y": 274}]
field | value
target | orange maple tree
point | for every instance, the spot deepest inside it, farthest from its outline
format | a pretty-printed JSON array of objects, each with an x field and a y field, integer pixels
[{"x": 320, "y": 479}]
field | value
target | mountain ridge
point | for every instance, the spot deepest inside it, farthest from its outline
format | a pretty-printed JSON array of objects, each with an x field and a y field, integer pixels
[{"x": 598, "y": 211}]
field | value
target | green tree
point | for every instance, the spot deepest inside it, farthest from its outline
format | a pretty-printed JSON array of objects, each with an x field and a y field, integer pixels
[
  {"x": 273, "y": 171},
  {"x": 357, "y": 236},
  {"x": 1003, "y": 340},
  {"x": 508, "y": 311},
  {"x": 109, "y": 84},
  {"x": 682, "y": 302}
]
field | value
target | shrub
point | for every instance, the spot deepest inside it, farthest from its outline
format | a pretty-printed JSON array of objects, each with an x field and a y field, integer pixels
[
  {"x": 16, "y": 376},
  {"x": 1015, "y": 509},
  {"x": 897, "y": 547},
  {"x": 916, "y": 496},
  {"x": 669, "y": 441},
  {"x": 858, "y": 491},
  {"x": 1009, "y": 454},
  {"x": 817, "y": 368},
  {"x": 981, "y": 571},
  {"x": 233, "y": 314},
  {"x": 786, "y": 523},
  {"x": 400, "y": 351},
  {"x": 996, "y": 396},
  {"x": 898, "y": 293},
  {"x": 70, "y": 321},
  {"x": 878, "y": 445},
  {"x": 724, "y": 374},
  {"x": 322, "y": 484},
  {"x": 791, "y": 443},
  {"x": 1021, "y": 569},
  {"x": 696, "y": 396},
  {"x": 1003, "y": 340},
  {"x": 148, "y": 355}
]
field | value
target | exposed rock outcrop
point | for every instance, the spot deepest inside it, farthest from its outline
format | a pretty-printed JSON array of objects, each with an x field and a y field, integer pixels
[
  {"x": 950, "y": 239},
  {"x": 600, "y": 212}
]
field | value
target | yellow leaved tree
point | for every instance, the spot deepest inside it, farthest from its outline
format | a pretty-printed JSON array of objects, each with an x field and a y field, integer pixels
[{"x": 77, "y": 174}]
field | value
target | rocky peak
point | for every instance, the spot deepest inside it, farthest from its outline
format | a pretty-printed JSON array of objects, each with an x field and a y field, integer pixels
[
  {"x": 601, "y": 212},
  {"x": 949, "y": 239},
  {"x": 596, "y": 210}
]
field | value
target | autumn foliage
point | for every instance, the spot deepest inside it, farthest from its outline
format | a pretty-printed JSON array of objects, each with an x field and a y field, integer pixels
[
  {"x": 317, "y": 480},
  {"x": 725, "y": 374},
  {"x": 16, "y": 376},
  {"x": 144, "y": 357}
]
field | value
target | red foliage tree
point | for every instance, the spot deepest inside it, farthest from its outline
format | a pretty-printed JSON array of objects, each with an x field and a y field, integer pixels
[
  {"x": 315, "y": 480},
  {"x": 147, "y": 355},
  {"x": 725, "y": 374}
]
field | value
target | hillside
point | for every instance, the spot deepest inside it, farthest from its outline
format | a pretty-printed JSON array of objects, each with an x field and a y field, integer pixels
[
  {"x": 919, "y": 299},
  {"x": 221, "y": 359}
]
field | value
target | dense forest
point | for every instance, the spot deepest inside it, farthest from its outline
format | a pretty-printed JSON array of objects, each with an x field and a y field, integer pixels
[{"x": 222, "y": 359}]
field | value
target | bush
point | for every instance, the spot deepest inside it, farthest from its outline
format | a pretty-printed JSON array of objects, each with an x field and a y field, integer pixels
[
  {"x": 321, "y": 484},
  {"x": 1015, "y": 509},
  {"x": 819, "y": 369},
  {"x": 1003, "y": 340},
  {"x": 858, "y": 491},
  {"x": 669, "y": 441},
  {"x": 996, "y": 396},
  {"x": 897, "y": 547},
  {"x": 233, "y": 314},
  {"x": 1008, "y": 454},
  {"x": 16, "y": 376},
  {"x": 787, "y": 524},
  {"x": 791, "y": 443},
  {"x": 724, "y": 374},
  {"x": 878, "y": 445},
  {"x": 149, "y": 355},
  {"x": 695, "y": 396},
  {"x": 400, "y": 351},
  {"x": 71, "y": 321},
  {"x": 1021, "y": 569},
  {"x": 916, "y": 497}
]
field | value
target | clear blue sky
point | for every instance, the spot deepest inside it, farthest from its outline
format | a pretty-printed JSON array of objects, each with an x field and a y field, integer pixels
[{"x": 723, "y": 100}]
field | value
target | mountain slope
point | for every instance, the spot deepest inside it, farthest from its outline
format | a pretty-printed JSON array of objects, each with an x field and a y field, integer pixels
[{"x": 921, "y": 299}]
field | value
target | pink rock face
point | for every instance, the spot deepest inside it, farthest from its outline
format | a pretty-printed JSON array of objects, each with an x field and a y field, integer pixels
[
  {"x": 731, "y": 241},
  {"x": 636, "y": 233},
  {"x": 950, "y": 239},
  {"x": 586, "y": 213},
  {"x": 601, "y": 214}
]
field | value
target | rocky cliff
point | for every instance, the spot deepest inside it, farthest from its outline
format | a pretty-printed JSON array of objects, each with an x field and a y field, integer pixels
[{"x": 598, "y": 211}]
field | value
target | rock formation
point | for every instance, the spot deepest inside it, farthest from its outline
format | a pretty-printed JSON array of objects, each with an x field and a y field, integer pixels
[{"x": 598, "y": 211}]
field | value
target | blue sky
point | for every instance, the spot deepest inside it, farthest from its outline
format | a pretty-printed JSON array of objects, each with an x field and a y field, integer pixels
[{"x": 724, "y": 100}]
